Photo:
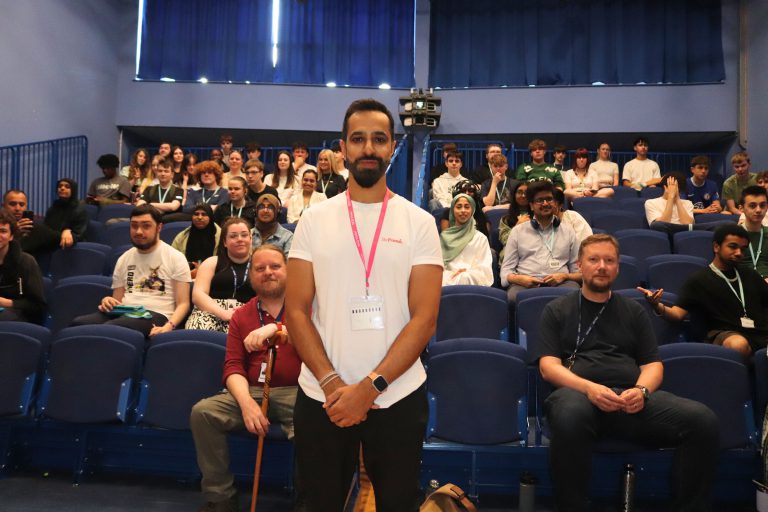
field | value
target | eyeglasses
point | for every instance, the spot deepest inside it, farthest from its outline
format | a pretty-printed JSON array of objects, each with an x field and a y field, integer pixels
[
  {"x": 542, "y": 200},
  {"x": 265, "y": 207}
]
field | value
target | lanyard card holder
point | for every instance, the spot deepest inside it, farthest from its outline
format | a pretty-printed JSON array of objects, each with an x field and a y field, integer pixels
[{"x": 366, "y": 313}]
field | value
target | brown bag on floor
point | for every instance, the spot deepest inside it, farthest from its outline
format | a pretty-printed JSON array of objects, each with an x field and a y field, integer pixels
[{"x": 448, "y": 498}]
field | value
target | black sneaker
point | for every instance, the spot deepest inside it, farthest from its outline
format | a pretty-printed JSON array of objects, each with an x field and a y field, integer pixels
[{"x": 229, "y": 505}]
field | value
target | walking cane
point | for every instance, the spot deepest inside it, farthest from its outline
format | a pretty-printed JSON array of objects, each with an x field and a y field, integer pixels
[{"x": 271, "y": 356}]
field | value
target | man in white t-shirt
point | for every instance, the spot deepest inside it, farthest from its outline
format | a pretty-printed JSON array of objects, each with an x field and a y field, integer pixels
[
  {"x": 641, "y": 171},
  {"x": 151, "y": 274},
  {"x": 671, "y": 213},
  {"x": 442, "y": 187},
  {"x": 360, "y": 333}
]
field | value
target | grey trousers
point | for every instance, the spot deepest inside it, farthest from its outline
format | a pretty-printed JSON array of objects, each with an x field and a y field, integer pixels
[{"x": 212, "y": 418}]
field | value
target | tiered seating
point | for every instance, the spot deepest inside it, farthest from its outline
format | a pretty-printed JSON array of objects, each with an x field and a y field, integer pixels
[{"x": 472, "y": 311}]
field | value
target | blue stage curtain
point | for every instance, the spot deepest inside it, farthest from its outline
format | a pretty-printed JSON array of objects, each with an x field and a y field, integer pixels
[
  {"x": 487, "y": 43},
  {"x": 221, "y": 40},
  {"x": 349, "y": 42}
]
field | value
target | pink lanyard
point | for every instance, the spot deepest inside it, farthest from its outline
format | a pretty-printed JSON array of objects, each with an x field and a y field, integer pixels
[{"x": 376, "y": 235}]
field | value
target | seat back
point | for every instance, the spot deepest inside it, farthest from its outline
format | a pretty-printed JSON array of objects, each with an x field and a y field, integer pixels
[
  {"x": 178, "y": 374},
  {"x": 615, "y": 220},
  {"x": 528, "y": 318},
  {"x": 484, "y": 315},
  {"x": 629, "y": 273},
  {"x": 76, "y": 261},
  {"x": 641, "y": 244},
  {"x": 703, "y": 218},
  {"x": 171, "y": 229},
  {"x": 215, "y": 337},
  {"x": 665, "y": 331},
  {"x": 114, "y": 211},
  {"x": 671, "y": 271},
  {"x": 588, "y": 206},
  {"x": 713, "y": 376},
  {"x": 478, "y": 393},
  {"x": 652, "y": 192},
  {"x": 75, "y": 299},
  {"x": 20, "y": 358},
  {"x": 621, "y": 192},
  {"x": 693, "y": 243},
  {"x": 494, "y": 216},
  {"x": 89, "y": 380},
  {"x": 117, "y": 234}
]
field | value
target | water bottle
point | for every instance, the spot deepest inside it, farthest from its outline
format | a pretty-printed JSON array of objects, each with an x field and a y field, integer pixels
[
  {"x": 628, "y": 488},
  {"x": 527, "y": 493}
]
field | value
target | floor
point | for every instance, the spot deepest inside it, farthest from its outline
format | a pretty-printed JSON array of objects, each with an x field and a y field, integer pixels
[{"x": 34, "y": 492}]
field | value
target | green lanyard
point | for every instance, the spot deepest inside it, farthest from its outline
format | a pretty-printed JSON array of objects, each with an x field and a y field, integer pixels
[
  {"x": 740, "y": 295},
  {"x": 752, "y": 254}
]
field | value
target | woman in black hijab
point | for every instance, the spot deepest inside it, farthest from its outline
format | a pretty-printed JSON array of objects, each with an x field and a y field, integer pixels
[
  {"x": 199, "y": 241},
  {"x": 66, "y": 216}
]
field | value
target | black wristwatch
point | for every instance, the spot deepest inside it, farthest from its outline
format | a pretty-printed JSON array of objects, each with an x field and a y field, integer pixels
[
  {"x": 646, "y": 393},
  {"x": 380, "y": 384}
]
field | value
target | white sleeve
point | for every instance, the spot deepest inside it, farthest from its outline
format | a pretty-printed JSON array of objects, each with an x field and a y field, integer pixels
[
  {"x": 480, "y": 270},
  {"x": 426, "y": 243},
  {"x": 653, "y": 210},
  {"x": 301, "y": 246}
]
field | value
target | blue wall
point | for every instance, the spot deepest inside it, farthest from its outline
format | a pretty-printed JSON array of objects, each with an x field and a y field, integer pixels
[
  {"x": 60, "y": 68},
  {"x": 76, "y": 76}
]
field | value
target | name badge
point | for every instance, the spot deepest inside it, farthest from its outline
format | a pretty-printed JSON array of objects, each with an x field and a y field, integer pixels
[
  {"x": 366, "y": 313},
  {"x": 263, "y": 372},
  {"x": 555, "y": 263},
  {"x": 747, "y": 323}
]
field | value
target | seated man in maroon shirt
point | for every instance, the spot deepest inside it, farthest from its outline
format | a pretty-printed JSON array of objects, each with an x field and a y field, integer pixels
[{"x": 238, "y": 407}]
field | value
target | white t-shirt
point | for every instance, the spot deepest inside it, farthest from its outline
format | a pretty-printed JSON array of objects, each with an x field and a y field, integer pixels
[
  {"x": 655, "y": 207},
  {"x": 148, "y": 278},
  {"x": 324, "y": 237},
  {"x": 588, "y": 182},
  {"x": 641, "y": 171},
  {"x": 578, "y": 223},
  {"x": 605, "y": 170}
]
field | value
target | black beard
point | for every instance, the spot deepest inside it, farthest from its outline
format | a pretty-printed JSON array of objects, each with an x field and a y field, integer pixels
[
  {"x": 367, "y": 178},
  {"x": 147, "y": 246}
]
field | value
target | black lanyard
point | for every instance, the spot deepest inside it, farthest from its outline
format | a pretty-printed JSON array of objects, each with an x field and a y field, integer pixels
[
  {"x": 579, "y": 338},
  {"x": 236, "y": 286},
  {"x": 261, "y": 317}
]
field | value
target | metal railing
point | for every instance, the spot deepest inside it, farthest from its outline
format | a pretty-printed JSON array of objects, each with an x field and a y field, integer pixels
[{"x": 37, "y": 166}]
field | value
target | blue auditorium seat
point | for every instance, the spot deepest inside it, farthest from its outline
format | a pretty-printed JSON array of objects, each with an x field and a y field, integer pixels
[
  {"x": 178, "y": 374},
  {"x": 693, "y": 243},
  {"x": 76, "y": 261},
  {"x": 670, "y": 271},
  {"x": 477, "y": 397},
  {"x": 613, "y": 221},
  {"x": 215, "y": 337},
  {"x": 494, "y": 216},
  {"x": 478, "y": 311},
  {"x": 171, "y": 229},
  {"x": 114, "y": 211},
  {"x": 588, "y": 206},
  {"x": 652, "y": 192},
  {"x": 117, "y": 234},
  {"x": 629, "y": 273},
  {"x": 621, "y": 192},
  {"x": 20, "y": 361},
  {"x": 641, "y": 244},
  {"x": 717, "y": 377},
  {"x": 665, "y": 331},
  {"x": 701, "y": 218},
  {"x": 74, "y": 299}
]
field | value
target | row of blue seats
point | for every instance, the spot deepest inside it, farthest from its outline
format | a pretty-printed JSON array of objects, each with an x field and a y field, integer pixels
[{"x": 103, "y": 377}]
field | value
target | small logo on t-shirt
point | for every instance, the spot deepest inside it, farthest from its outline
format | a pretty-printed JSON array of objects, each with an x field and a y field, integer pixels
[{"x": 392, "y": 240}]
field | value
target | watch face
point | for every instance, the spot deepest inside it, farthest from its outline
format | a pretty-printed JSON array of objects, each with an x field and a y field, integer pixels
[{"x": 380, "y": 383}]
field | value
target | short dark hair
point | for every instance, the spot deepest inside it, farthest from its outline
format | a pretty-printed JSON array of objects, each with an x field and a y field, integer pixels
[
  {"x": 641, "y": 139},
  {"x": 13, "y": 191},
  {"x": 558, "y": 195},
  {"x": 7, "y": 217},
  {"x": 537, "y": 187},
  {"x": 728, "y": 228},
  {"x": 559, "y": 149},
  {"x": 454, "y": 154},
  {"x": 299, "y": 145},
  {"x": 108, "y": 161},
  {"x": 700, "y": 160},
  {"x": 450, "y": 146},
  {"x": 147, "y": 209},
  {"x": 753, "y": 190},
  {"x": 309, "y": 170},
  {"x": 165, "y": 162},
  {"x": 367, "y": 105},
  {"x": 252, "y": 146},
  {"x": 335, "y": 146},
  {"x": 225, "y": 137},
  {"x": 682, "y": 182}
]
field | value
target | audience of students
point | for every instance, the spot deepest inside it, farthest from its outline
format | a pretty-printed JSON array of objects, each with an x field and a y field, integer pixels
[{"x": 306, "y": 198}]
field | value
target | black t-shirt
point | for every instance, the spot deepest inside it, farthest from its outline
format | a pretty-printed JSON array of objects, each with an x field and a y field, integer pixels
[
  {"x": 621, "y": 341},
  {"x": 331, "y": 185},
  {"x": 707, "y": 295},
  {"x": 230, "y": 281},
  {"x": 226, "y": 210},
  {"x": 172, "y": 193},
  {"x": 503, "y": 190},
  {"x": 254, "y": 196}
]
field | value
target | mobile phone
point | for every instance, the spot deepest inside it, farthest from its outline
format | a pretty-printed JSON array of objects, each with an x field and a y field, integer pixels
[{"x": 28, "y": 214}]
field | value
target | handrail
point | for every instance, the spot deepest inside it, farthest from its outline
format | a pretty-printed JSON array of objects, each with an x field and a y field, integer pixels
[{"x": 35, "y": 167}]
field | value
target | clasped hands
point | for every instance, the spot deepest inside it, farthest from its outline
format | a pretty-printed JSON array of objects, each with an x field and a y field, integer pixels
[
  {"x": 348, "y": 404},
  {"x": 630, "y": 401}
]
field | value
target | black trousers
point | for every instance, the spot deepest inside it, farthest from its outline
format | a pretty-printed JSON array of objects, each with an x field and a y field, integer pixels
[
  {"x": 143, "y": 325},
  {"x": 665, "y": 421},
  {"x": 327, "y": 455}
]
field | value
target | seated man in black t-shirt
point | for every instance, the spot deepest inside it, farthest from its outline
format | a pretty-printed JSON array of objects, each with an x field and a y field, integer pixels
[
  {"x": 732, "y": 302},
  {"x": 254, "y": 176},
  {"x": 599, "y": 350}
]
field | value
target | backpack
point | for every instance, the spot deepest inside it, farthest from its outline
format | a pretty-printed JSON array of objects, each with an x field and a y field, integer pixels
[{"x": 448, "y": 498}]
